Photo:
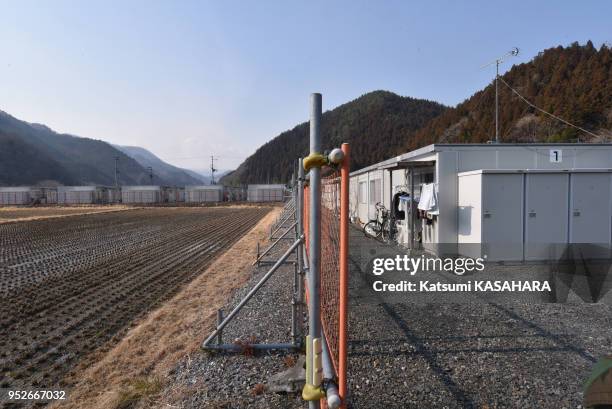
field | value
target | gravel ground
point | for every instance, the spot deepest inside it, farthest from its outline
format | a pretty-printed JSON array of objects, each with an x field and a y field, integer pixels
[
  {"x": 220, "y": 380},
  {"x": 415, "y": 355}
]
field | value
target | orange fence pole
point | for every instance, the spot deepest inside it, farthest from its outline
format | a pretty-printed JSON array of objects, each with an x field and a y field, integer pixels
[{"x": 344, "y": 252}]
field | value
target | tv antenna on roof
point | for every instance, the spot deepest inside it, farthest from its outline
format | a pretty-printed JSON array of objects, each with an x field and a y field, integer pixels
[{"x": 512, "y": 53}]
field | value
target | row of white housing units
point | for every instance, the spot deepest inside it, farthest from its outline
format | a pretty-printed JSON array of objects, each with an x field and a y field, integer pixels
[
  {"x": 510, "y": 202},
  {"x": 71, "y": 195}
]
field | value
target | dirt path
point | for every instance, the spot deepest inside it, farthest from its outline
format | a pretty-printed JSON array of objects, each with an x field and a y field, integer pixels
[{"x": 137, "y": 367}]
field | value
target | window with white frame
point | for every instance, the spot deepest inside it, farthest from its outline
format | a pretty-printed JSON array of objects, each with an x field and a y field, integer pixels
[
  {"x": 363, "y": 192},
  {"x": 375, "y": 191}
]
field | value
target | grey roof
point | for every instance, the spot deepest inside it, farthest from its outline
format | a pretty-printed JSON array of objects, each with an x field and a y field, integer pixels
[{"x": 439, "y": 147}]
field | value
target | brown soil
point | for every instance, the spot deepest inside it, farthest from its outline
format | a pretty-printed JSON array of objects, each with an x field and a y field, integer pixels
[
  {"x": 71, "y": 285},
  {"x": 136, "y": 368}
]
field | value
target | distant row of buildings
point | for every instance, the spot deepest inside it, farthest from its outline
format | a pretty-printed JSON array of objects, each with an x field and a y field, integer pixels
[{"x": 74, "y": 195}]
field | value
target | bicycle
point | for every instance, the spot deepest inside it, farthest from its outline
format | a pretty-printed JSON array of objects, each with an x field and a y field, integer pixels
[{"x": 383, "y": 226}]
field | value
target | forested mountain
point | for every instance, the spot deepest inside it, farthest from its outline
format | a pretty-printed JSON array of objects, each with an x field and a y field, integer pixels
[
  {"x": 376, "y": 124},
  {"x": 574, "y": 83},
  {"x": 33, "y": 154},
  {"x": 161, "y": 169}
]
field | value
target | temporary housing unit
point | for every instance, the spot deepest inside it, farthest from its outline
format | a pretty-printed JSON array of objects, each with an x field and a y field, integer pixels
[
  {"x": 43, "y": 195},
  {"x": 113, "y": 195},
  {"x": 506, "y": 201},
  {"x": 19, "y": 195},
  {"x": 172, "y": 194},
  {"x": 266, "y": 193},
  {"x": 235, "y": 194},
  {"x": 82, "y": 195},
  {"x": 202, "y": 194},
  {"x": 141, "y": 194}
]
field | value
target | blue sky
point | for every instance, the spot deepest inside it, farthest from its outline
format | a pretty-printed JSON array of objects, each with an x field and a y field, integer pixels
[{"x": 190, "y": 79}]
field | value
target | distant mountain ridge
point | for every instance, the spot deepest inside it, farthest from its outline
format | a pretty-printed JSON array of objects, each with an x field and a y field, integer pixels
[
  {"x": 161, "y": 169},
  {"x": 361, "y": 122},
  {"x": 573, "y": 82},
  {"x": 34, "y": 154}
]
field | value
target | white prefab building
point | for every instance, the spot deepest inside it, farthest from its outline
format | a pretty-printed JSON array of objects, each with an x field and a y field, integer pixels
[
  {"x": 43, "y": 195},
  {"x": 25, "y": 195},
  {"x": 141, "y": 194},
  {"x": 82, "y": 195},
  {"x": 235, "y": 194},
  {"x": 202, "y": 194},
  {"x": 171, "y": 194},
  {"x": 518, "y": 202},
  {"x": 10, "y": 196},
  {"x": 266, "y": 193},
  {"x": 113, "y": 195}
]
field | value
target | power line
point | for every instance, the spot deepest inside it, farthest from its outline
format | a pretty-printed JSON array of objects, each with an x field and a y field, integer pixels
[{"x": 546, "y": 112}]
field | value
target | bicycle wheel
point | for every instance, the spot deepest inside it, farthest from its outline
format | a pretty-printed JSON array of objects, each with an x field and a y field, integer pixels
[
  {"x": 386, "y": 232},
  {"x": 373, "y": 229}
]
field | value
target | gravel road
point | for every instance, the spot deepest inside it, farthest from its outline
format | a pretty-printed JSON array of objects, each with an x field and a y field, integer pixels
[{"x": 415, "y": 355}]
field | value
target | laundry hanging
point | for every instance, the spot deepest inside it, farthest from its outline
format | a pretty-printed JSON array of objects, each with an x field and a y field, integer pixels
[{"x": 429, "y": 198}]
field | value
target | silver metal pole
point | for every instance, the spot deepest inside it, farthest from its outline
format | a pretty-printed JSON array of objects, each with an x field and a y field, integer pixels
[
  {"x": 315, "y": 226},
  {"x": 412, "y": 207},
  {"x": 295, "y": 316},
  {"x": 294, "y": 306},
  {"x": 280, "y": 226},
  {"x": 496, "y": 102},
  {"x": 278, "y": 239},
  {"x": 300, "y": 252},
  {"x": 219, "y": 321},
  {"x": 257, "y": 347},
  {"x": 331, "y": 390},
  {"x": 251, "y": 293}
]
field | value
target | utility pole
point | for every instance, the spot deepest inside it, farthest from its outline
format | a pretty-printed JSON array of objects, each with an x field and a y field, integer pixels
[
  {"x": 116, "y": 171},
  {"x": 497, "y": 101},
  {"x": 212, "y": 169},
  {"x": 150, "y": 169},
  {"x": 512, "y": 53}
]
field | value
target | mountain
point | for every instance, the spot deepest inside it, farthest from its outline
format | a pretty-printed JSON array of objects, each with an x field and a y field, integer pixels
[
  {"x": 32, "y": 154},
  {"x": 375, "y": 124},
  {"x": 198, "y": 175},
  {"x": 22, "y": 163},
  {"x": 178, "y": 176},
  {"x": 574, "y": 83}
]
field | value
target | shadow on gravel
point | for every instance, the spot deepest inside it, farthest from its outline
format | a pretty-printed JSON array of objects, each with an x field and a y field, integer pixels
[{"x": 466, "y": 355}]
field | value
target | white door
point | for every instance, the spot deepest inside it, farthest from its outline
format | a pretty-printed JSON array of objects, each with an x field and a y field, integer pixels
[
  {"x": 502, "y": 216},
  {"x": 546, "y": 215},
  {"x": 590, "y": 212}
]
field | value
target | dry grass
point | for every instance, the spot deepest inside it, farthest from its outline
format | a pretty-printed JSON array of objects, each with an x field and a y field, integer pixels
[
  {"x": 258, "y": 389},
  {"x": 139, "y": 390},
  {"x": 170, "y": 333},
  {"x": 289, "y": 361}
]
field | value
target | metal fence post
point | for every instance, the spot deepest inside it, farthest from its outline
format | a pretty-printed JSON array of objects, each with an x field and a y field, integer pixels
[
  {"x": 300, "y": 253},
  {"x": 314, "y": 248}
]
